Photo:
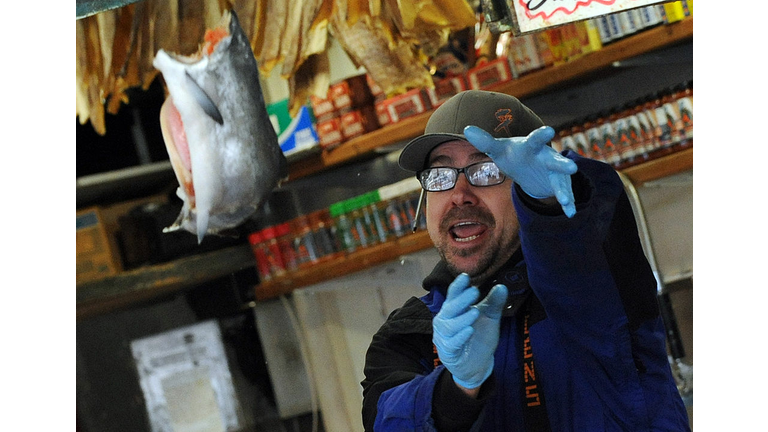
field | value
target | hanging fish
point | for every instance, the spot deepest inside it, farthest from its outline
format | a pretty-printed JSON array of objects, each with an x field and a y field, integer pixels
[{"x": 219, "y": 138}]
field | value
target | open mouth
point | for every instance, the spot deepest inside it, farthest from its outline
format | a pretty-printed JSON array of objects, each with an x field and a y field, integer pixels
[{"x": 465, "y": 232}]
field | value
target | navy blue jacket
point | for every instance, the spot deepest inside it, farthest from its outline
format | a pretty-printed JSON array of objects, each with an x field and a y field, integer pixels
[{"x": 597, "y": 339}]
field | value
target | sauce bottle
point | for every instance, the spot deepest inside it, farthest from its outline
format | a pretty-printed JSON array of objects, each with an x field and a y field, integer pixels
[
  {"x": 594, "y": 139},
  {"x": 304, "y": 243},
  {"x": 580, "y": 139},
  {"x": 672, "y": 117},
  {"x": 624, "y": 138},
  {"x": 684, "y": 100}
]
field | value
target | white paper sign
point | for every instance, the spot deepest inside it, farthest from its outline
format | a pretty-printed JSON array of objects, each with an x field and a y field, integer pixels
[{"x": 535, "y": 15}]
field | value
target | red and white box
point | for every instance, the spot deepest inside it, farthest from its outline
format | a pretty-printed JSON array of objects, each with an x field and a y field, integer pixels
[
  {"x": 489, "y": 74},
  {"x": 323, "y": 109},
  {"x": 330, "y": 133},
  {"x": 341, "y": 95},
  {"x": 382, "y": 113},
  {"x": 407, "y": 105},
  {"x": 352, "y": 124},
  {"x": 446, "y": 88}
]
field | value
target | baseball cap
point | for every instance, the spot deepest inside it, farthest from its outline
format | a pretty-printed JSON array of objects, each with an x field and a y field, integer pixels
[{"x": 499, "y": 114}]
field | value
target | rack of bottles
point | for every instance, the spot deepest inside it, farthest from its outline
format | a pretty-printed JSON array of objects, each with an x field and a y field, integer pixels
[
  {"x": 344, "y": 228},
  {"x": 647, "y": 128}
]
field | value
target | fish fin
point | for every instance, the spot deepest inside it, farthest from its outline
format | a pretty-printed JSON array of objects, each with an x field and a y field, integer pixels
[
  {"x": 176, "y": 224},
  {"x": 202, "y": 224},
  {"x": 203, "y": 100},
  {"x": 171, "y": 228}
]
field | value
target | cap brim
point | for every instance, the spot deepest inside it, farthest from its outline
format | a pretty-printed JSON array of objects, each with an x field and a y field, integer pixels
[{"x": 414, "y": 155}]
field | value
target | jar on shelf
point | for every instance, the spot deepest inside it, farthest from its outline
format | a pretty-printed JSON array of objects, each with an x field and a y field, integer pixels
[
  {"x": 304, "y": 243},
  {"x": 274, "y": 258},
  {"x": 379, "y": 216},
  {"x": 342, "y": 227},
  {"x": 396, "y": 220},
  {"x": 359, "y": 228},
  {"x": 364, "y": 203},
  {"x": 285, "y": 238},
  {"x": 259, "y": 248},
  {"x": 320, "y": 224}
]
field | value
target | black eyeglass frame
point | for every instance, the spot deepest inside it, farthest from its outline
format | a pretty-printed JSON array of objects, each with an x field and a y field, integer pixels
[{"x": 502, "y": 177}]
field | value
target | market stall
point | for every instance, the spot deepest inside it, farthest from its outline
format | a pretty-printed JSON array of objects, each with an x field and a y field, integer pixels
[{"x": 345, "y": 86}]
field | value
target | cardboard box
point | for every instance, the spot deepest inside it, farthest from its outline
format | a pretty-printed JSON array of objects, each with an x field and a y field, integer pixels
[
  {"x": 97, "y": 253},
  {"x": 352, "y": 124},
  {"x": 673, "y": 12},
  {"x": 553, "y": 39},
  {"x": 330, "y": 133},
  {"x": 382, "y": 113},
  {"x": 489, "y": 74},
  {"x": 322, "y": 109},
  {"x": 341, "y": 96},
  {"x": 294, "y": 134},
  {"x": 571, "y": 40},
  {"x": 589, "y": 36},
  {"x": 407, "y": 105},
  {"x": 524, "y": 54},
  {"x": 446, "y": 88}
]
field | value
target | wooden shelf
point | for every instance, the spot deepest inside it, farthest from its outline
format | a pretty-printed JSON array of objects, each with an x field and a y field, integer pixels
[
  {"x": 663, "y": 166},
  {"x": 146, "y": 283},
  {"x": 344, "y": 265},
  {"x": 527, "y": 85}
]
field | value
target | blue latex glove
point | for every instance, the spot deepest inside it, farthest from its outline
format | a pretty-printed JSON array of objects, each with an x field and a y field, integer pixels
[
  {"x": 465, "y": 335},
  {"x": 539, "y": 170}
]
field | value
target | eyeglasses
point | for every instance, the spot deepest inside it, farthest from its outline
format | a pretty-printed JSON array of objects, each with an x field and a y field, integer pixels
[{"x": 436, "y": 179}]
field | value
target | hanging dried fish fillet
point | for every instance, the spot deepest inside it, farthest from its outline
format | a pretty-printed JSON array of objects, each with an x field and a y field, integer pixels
[
  {"x": 392, "y": 39},
  {"x": 81, "y": 88},
  {"x": 106, "y": 22},
  {"x": 312, "y": 78},
  {"x": 92, "y": 74},
  {"x": 275, "y": 21},
  {"x": 394, "y": 64}
]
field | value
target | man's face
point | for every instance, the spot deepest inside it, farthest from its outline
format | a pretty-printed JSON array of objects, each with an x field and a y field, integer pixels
[{"x": 474, "y": 229}]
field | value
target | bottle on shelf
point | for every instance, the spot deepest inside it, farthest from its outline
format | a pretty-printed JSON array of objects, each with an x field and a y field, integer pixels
[
  {"x": 342, "y": 229},
  {"x": 259, "y": 248},
  {"x": 684, "y": 100},
  {"x": 320, "y": 224},
  {"x": 285, "y": 237},
  {"x": 304, "y": 243},
  {"x": 272, "y": 251}
]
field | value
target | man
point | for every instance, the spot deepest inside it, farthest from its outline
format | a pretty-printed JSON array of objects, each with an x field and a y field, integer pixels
[{"x": 542, "y": 313}]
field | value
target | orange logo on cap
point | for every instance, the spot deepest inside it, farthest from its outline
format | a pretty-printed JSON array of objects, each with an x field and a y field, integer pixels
[{"x": 504, "y": 115}]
